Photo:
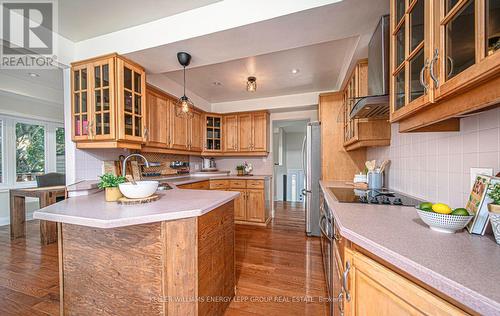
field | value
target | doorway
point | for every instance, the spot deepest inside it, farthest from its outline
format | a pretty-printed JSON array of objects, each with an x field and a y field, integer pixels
[{"x": 288, "y": 171}]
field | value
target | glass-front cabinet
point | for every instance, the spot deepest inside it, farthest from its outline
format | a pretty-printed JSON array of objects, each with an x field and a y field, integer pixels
[
  {"x": 411, "y": 53},
  {"x": 467, "y": 39},
  {"x": 213, "y": 133},
  {"x": 108, "y": 103},
  {"x": 79, "y": 102},
  {"x": 441, "y": 49}
]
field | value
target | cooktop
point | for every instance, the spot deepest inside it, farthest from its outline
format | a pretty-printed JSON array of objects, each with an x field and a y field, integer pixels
[{"x": 380, "y": 196}]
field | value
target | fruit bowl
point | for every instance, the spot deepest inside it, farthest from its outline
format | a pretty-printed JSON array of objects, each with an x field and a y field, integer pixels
[{"x": 444, "y": 223}]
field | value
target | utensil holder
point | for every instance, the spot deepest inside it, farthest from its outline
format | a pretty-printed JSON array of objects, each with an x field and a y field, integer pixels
[{"x": 375, "y": 180}]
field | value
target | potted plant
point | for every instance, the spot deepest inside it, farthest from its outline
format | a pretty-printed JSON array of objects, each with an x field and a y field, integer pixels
[
  {"x": 241, "y": 170},
  {"x": 109, "y": 182},
  {"x": 494, "y": 208},
  {"x": 494, "y": 194}
]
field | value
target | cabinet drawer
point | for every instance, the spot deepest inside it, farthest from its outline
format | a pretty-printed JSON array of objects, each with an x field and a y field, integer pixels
[
  {"x": 219, "y": 184},
  {"x": 237, "y": 184},
  {"x": 255, "y": 184}
]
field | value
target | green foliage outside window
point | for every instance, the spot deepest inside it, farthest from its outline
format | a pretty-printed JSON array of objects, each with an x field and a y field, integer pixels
[{"x": 30, "y": 151}]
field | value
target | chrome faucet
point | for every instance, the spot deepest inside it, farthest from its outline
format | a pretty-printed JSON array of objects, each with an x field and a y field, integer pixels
[{"x": 124, "y": 166}]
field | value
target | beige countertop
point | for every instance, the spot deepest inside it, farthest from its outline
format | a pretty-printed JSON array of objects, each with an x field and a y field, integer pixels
[
  {"x": 462, "y": 266},
  {"x": 93, "y": 211}
]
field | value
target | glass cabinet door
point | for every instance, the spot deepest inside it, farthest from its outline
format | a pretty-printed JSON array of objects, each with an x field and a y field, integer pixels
[
  {"x": 213, "y": 137},
  {"x": 411, "y": 51},
  {"x": 459, "y": 37},
  {"x": 131, "y": 90},
  {"x": 81, "y": 115},
  {"x": 103, "y": 100},
  {"x": 492, "y": 27}
]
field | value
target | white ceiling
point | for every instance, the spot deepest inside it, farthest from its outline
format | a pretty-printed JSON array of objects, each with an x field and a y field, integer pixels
[
  {"x": 83, "y": 19},
  {"x": 320, "y": 67},
  {"x": 324, "y": 43},
  {"x": 50, "y": 78}
]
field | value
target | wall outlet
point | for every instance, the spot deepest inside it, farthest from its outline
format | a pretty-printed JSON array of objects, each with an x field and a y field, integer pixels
[
  {"x": 196, "y": 167},
  {"x": 474, "y": 172}
]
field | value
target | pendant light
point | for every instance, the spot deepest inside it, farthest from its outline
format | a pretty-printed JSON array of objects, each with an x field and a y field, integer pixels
[
  {"x": 251, "y": 84},
  {"x": 184, "y": 106}
]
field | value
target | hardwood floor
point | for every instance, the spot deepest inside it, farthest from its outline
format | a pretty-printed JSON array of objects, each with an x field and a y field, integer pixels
[
  {"x": 278, "y": 264},
  {"x": 278, "y": 269}
]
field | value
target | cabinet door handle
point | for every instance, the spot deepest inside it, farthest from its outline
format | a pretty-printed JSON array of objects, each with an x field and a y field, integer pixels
[
  {"x": 146, "y": 133},
  {"x": 451, "y": 65},
  {"x": 340, "y": 301},
  {"x": 344, "y": 281},
  {"x": 431, "y": 68},
  {"x": 89, "y": 129},
  {"x": 422, "y": 78}
]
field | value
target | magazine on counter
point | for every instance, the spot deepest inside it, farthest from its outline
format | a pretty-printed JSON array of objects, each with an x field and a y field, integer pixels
[{"x": 477, "y": 204}]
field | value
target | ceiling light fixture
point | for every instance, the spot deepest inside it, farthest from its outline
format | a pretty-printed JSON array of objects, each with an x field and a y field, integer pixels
[
  {"x": 34, "y": 75},
  {"x": 295, "y": 71},
  {"x": 251, "y": 84},
  {"x": 217, "y": 83},
  {"x": 184, "y": 106}
]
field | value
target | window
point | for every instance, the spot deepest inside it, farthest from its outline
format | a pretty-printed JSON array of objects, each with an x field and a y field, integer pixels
[
  {"x": 60, "y": 156},
  {"x": 30, "y": 151}
]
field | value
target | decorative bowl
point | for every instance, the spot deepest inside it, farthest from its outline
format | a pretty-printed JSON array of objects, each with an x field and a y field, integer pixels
[
  {"x": 444, "y": 223},
  {"x": 141, "y": 189},
  {"x": 495, "y": 225}
]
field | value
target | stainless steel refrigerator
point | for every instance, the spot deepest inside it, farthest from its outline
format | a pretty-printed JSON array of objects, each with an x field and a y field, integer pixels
[{"x": 311, "y": 164}]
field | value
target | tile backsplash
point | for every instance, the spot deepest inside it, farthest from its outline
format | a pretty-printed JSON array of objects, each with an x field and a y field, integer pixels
[{"x": 436, "y": 166}]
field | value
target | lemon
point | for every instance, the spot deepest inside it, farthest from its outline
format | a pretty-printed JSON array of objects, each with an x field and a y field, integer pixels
[
  {"x": 441, "y": 208},
  {"x": 460, "y": 211}
]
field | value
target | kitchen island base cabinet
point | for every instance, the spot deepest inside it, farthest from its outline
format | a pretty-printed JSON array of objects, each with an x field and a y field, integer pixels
[{"x": 178, "y": 267}]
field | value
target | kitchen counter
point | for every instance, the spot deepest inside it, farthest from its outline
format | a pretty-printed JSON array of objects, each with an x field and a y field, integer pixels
[
  {"x": 93, "y": 211},
  {"x": 461, "y": 266}
]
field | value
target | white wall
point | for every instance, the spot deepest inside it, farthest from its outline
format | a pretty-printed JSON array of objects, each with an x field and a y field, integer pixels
[
  {"x": 294, "y": 150},
  {"x": 436, "y": 166}
]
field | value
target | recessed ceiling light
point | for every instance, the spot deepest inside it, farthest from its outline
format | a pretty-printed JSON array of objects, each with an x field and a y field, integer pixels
[
  {"x": 217, "y": 83},
  {"x": 295, "y": 71},
  {"x": 32, "y": 74}
]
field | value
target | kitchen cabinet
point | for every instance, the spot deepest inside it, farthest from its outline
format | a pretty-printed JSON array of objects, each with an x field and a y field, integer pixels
[
  {"x": 245, "y": 132},
  {"x": 253, "y": 132},
  {"x": 158, "y": 111},
  {"x": 363, "y": 132},
  {"x": 255, "y": 208},
  {"x": 240, "y": 205},
  {"x": 213, "y": 133},
  {"x": 443, "y": 53},
  {"x": 179, "y": 131},
  {"x": 253, "y": 205},
  {"x": 230, "y": 133},
  {"x": 108, "y": 103},
  {"x": 195, "y": 132},
  {"x": 373, "y": 289}
]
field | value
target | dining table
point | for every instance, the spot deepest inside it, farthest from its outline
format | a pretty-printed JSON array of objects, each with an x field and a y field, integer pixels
[{"x": 46, "y": 196}]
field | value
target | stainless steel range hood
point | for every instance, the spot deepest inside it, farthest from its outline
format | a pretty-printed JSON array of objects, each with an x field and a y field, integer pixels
[{"x": 376, "y": 104}]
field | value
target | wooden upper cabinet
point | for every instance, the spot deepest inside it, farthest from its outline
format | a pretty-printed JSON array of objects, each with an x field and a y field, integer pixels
[
  {"x": 131, "y": 101},
  {"x": 103, "y": 97},
  {"x": 108, "y": 103},
  {"x": 158, "y": 112},
  {"x": 245, "y": 132},
  {"x": 195, "y": 132},
  {"x": 230, "y": 129},
  {"x": 80, "y": 108},
  {"x": 260, "y": 131},
  {"x": 466, "y": 42},
  {"x": 441, "y": 50},
  {"x": 213, "y": 130},
  {"x": 365, "y": 132},
  {"x": 411, "y": 54},
  {"x": 179, "y": 134}
]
